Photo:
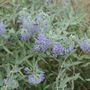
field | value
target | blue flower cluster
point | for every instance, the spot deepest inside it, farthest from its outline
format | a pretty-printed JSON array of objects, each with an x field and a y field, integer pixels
[
  {"x": 28, "y": 26},
  {"x": 85, "y": 45},
  {"x": 13, "y": 84},
  {"x": 26, "y": 69},
  {"x": 58, "y": 49},
  {"x": 42, "y": 43},
  {"x": 35, "y": 79}
]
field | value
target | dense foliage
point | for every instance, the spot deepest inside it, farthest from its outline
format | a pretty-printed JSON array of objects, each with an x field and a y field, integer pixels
[{"x": 44, "y": 45}]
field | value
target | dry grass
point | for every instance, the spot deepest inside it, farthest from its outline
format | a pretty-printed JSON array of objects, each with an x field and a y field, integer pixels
[{"x": 86, "y": 7}]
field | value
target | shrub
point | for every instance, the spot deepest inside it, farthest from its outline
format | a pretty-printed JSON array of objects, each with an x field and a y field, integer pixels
[{"x": 43, "y": 45}]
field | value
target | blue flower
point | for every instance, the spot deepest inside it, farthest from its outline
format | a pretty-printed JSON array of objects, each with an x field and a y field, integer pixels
[
  {"x": 85, "y": 45},
  {"x": 36, "y": 27},
  {"x": 11, "y": 32},
  {"x": 13, "y": 86},
  {"x": 26, "y": 68},
  {"x": 25, "y": 34},
  {"x": 28, "y": 26},
  {"x": 36, "y": 79},
  {"x": 9, "y": 79},
  {"x": 2, "y": 28},
  {"x": 22, "y": 15},
  {"x": 42, "y": 43},
  {"x": 45, "y": 27},
  {"x": 66, "y": 51},
  {"x": 55, "y": 55},
  {"x": 65, "y": 11},
  {"x": 6, "y": 37},
  {"x": 42, "y": 21},
  {"x": 71, "y": 49},
  {"x": 37, "y": 47},
  {"x": 58, "y": 49},
  {"x": 4, "y": 80}
]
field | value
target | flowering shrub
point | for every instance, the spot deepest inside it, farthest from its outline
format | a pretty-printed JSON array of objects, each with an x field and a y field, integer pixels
[{"x": 42, "y": 47}]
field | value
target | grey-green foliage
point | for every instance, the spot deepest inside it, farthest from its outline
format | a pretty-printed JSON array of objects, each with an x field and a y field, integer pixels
[{"x": 16, "y": 54}]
